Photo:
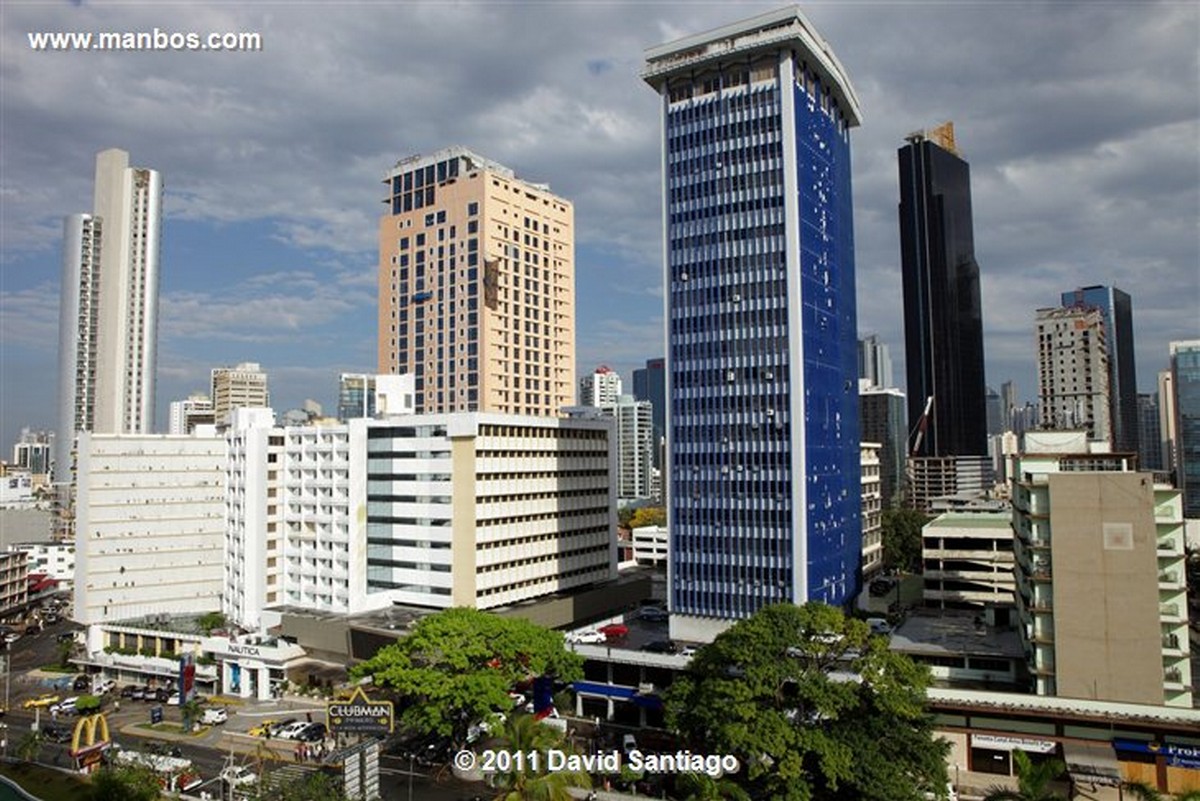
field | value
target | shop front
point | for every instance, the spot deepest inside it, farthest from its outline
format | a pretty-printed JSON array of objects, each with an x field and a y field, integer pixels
[{"x": 255, "y": 668}]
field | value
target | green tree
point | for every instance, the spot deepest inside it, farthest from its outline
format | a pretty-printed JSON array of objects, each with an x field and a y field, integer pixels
[
  {"x": 125, "y": 783},
  {"x": 766, "y": 692},
  {"x": 1140, "y": 791},
  {"x": 459, "y": 665},
  {"x": 648, "y": 516},
  {"x": 29, "y": 747},
  {"x": 1033, "y": 781},
  {"x": 191, "y": 711},
  {"x": 902, "y": 538},
  {"x": 209, "y": 621},
  {"x": 64, "y": 651},
  {"x": 523, "y": 781},
  {"x": 702, "y": 787},
  {"x": 87, "y": 704},
  {"x": 309, "y": 787}
]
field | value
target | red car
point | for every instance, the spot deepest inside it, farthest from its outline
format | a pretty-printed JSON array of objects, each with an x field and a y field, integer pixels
[{"x": 614, "y": 631}]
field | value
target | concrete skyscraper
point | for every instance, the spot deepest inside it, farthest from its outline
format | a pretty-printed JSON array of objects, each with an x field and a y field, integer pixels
[
  {"x": 875, "y": 361},
  {"x": 108, "y": 317},
  {"x": 240, "y": 387},
  {"x": 477, "y": 287},
  {"x": 1116, "y": 308},
  {"x": 762, "y": 423},
  {"x": 943, "y": 317},
  {"x": 1073, "y": 371}
]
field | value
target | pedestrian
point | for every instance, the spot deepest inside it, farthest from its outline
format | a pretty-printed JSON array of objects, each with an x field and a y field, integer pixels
[{"x": 298, "y": 747}]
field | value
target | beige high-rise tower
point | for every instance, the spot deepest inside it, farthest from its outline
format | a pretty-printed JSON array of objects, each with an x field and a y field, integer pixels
[
  {"x": 477, "y": 287},
  {"x": 108, "y": 319}
]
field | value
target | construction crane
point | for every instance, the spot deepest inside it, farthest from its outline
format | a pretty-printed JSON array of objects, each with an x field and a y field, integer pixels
[{"x": 922, "y": 425}]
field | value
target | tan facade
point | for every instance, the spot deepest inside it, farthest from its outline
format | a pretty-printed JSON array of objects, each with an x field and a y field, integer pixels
[
  {"x": 1103, "y": 564},
  {"x": 1100, "y": 575},
  {"x": 477, "y": 287}
]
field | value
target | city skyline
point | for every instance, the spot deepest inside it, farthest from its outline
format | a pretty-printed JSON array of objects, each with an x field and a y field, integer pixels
[{"x": 271, "y": 164}]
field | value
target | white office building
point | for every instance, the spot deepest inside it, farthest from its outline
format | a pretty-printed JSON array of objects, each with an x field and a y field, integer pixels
[
  {"x": 872, "y": 509},
  {"x": 186, "y": 415},
  {"x": 149, "y": 528},
  {"x": 601, "y": 387},
  {"x": 438, "y": 510}
]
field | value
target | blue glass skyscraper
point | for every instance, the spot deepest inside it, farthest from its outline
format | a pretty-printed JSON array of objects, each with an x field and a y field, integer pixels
[{"x": 763, "y": 433}]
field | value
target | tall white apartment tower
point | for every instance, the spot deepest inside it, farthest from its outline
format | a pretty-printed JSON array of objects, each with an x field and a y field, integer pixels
[
  {"x": 601, "y": 387},
  {"x": 108, "y": 317}
]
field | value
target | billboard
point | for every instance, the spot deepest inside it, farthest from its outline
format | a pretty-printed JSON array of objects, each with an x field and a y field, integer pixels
[{"x": 360, "y": 715}]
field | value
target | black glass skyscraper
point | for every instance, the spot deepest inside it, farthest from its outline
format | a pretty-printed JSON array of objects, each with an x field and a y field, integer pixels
[{"x": 943, "y": 320}]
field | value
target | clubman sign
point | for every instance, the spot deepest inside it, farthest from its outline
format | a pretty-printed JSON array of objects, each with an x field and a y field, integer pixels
[{"x": 360, "y": 715}]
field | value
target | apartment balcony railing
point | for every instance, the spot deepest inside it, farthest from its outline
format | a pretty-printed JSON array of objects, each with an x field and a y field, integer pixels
[
  {"x": 1170, "y": 642},
  {"x": 1173, "y": 676},
  {"x": 1169, "y": 611}
]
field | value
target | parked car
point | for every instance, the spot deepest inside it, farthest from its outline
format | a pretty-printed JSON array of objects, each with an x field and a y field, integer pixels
[
  {"x": 66, "y": 636},
  {"x": 292, "y": 730},
  {"x": 279, "y": 726},
  {"x": 57, "y": 733},
  {"x": 659, "y": 647},
  {"x": 81, "y": 683},
  {"x": 881, "y": 587},
  {"x": 312, "y": 733},
  {"x": 128, "y": 690},
  {"x": 214, "y": 715},
  {"x": 65, "y": 707},
  {"x": 43, "y": 700},
  {"x": 262, "y": 729},
  {"x": 586, "y": 637},
  {"x": 104, "y": 686},
  {"x": 239, "y": 775},
  {"x": 139, "y": 694},
  {"x": 653, "y": 614},
  {"x": 689, "y": 650},
  {"x": 162, "y": 695},
  {"x": 614, "y": 631},
  {"x": 172, "y": 700},
  {"x": 629, "y": 743},
  {"x": 879, "y": 625}
]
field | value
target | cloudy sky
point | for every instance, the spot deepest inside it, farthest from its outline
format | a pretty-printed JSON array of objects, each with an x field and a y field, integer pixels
[{"x": 1081, "y": 122}]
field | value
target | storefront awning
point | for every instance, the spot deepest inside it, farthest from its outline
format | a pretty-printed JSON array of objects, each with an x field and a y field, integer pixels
[{"x": 1092, "y": 763}]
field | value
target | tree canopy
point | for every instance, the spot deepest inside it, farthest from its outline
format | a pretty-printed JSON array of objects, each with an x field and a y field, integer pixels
[
  {"x": 457, "y": 666},
  {"x": 814, "y": 707},
  {"x": 902, "y": 538}
]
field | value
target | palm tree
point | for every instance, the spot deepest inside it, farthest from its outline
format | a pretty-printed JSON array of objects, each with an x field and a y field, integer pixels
[
  {"x": 29, "y": 747},
  {"x": 1140, "y": 791},
  {"x": 521, "y": 734},
  {"x": 1033, "y": 781}
]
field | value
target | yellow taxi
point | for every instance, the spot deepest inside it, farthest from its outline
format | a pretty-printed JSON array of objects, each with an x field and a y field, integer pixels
[
  {"x": 261, "y": 729},
  {"x": 43, "y": 700}
]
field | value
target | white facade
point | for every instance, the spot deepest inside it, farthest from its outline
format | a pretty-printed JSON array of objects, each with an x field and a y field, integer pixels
[
  {"x": 1073, "y": 371},
  {"x": 149, "y": 527},
  {"x": 55, "y": 559},
  {"x": 185, "y": 415},
  {"x": 243, "y": 386},
  {"x": 635, "y": 447},
  {"x": 872, "y": 510},
  {"x": 438, "y": 510},
  {"x": 600, "y": 388},
  {"x": 650, "y": 545},
  {"x": 108, "y": 319}
]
